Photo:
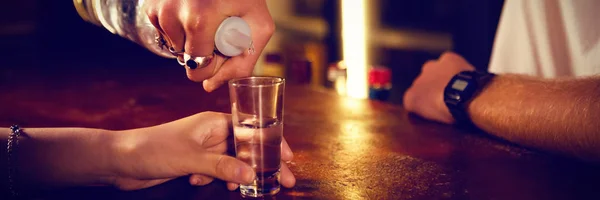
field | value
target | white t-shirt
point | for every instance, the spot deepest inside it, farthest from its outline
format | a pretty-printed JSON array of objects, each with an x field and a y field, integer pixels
[{"x": 548, "y": 38}]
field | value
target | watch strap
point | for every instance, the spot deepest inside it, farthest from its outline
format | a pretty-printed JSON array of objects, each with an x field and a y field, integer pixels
[{"x": 456, "y": 100}]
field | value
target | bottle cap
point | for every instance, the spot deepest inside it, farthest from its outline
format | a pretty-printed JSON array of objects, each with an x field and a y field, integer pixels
[{"x": 233, "y": 37}]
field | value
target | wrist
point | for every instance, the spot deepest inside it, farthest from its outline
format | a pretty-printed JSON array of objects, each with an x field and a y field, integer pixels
[
  {"x": 108, "y": 144},
  {"x": 122, "y": 144},
  {"x": 461, "y": 90},
  {"x": 58, "y": 157},
  {"x": 125, "y": 150}
]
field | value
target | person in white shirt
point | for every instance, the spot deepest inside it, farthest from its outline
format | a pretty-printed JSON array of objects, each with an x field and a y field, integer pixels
[
  {"x": 548, "y": 38},
  {"x": 546, "y": 89}
]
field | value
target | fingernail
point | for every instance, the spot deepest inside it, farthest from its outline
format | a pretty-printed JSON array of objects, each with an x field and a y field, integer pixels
[
  {"x": 197, "y": 181},
  {"x": 194, "y": 181},
  {"x": 246, "y": 174}
]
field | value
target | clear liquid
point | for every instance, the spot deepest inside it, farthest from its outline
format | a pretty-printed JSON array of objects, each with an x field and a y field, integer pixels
[{"x": 258, "y": 143}]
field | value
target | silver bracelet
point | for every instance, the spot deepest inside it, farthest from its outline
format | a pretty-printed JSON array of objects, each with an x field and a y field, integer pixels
[{"x": 11, "y": 148}]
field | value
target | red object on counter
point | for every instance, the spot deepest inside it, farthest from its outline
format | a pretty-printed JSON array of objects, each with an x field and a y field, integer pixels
[
  {"x": 379, "y": 77},
  {"x": 380, "y": 83}
]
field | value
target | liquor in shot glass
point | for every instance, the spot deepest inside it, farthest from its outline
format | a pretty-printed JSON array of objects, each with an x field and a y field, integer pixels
[
  {"x": 257, "y": 116},
  {"x": 258, "y": 143}
]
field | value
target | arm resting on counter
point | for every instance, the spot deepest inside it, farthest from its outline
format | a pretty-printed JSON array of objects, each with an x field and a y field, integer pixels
[
  {"x": 60, "y": 156},
  {"x": 561, "y": 115}
]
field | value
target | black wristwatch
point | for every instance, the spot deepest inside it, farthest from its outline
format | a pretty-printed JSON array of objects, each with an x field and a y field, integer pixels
[{"x": 461, "y": 89}]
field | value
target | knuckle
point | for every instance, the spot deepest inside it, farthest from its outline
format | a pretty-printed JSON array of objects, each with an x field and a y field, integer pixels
[
  {"x": 224, "y": 166},
  {"x": 162, "y": 14},
  {"x": 428, "y": 65},
  {"x": 449, "y": 55},
  {"x": 219, "y": 166},
  {"x": 151, "y": 9},
  {"x": 151, "y": 13},
  {"x": 267, "y": 28},
  {"x": 219, "y": 120},
  {"x": 196, "y": 23}
]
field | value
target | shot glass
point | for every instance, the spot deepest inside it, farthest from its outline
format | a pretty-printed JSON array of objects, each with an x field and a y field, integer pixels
[{"x": 257, "y": 116}]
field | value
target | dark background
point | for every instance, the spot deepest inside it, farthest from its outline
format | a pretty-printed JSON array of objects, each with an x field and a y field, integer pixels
[{"x": 48, "y": 36}]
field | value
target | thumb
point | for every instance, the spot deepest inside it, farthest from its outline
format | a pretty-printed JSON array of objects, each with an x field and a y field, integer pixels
[{"x": 223, "y": 167}]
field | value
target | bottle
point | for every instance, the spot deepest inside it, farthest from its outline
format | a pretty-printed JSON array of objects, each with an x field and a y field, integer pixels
[
  {"x": 336, "y": 76},
  {"x": 127, "y": 19}
]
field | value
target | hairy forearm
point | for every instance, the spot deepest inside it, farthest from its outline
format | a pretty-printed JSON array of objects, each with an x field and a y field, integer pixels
[
  {"x": 557, "y": 115},
  {"x": 50, "y": 157}
]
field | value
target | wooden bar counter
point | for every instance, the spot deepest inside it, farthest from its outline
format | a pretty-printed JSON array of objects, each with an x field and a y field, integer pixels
[{"x": 344, "y": 148}]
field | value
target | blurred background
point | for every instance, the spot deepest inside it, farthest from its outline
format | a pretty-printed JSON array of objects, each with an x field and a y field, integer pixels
[{"x": 359, "y": 48}]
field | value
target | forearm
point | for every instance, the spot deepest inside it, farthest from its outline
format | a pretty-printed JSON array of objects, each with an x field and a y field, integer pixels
[
  {"x": 559, "y": 115},
  {"x": 50, "y": 157}
]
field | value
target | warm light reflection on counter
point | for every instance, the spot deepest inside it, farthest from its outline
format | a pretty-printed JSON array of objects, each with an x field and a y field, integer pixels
[
  {"x": 354, "y": 143},
  {"x": 353, "y": 134},
  {"x": 340, "y": 86},
  {"x": 352, "y": 105},
  {"x": 354, "y": 46}
]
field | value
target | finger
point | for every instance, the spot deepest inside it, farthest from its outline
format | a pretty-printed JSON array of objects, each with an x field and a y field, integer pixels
[
  {"x": 222, "y": 167},
  {"x": 220, "y": 148},
  {"x": 152, "y": 13},
  {"x": 262, "y": 27},
  {"x": 171, "y": 26},
  {"x": 448, "y": 55},
  {"x": 232, "y": 186},
  {"x": 199, "y": 180},
  {"x": 287, "y": 177},
  {"x": 203, "y": 73},
  {"x": 429, "y": 65},
  {"x": 219, "y": 130},
  {"x": 286, "y": 152},
  {"x": 200, "y": 29},
  {"x": 239, "y": 66}
]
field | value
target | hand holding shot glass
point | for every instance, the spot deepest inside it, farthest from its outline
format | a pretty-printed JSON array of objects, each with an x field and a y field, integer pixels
[{"x": 257, "y": 117}]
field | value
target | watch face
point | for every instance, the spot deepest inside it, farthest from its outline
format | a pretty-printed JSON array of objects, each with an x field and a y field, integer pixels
[
  {"x": 458, "y": 90},
  {"x": 460, "y": 84}
]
